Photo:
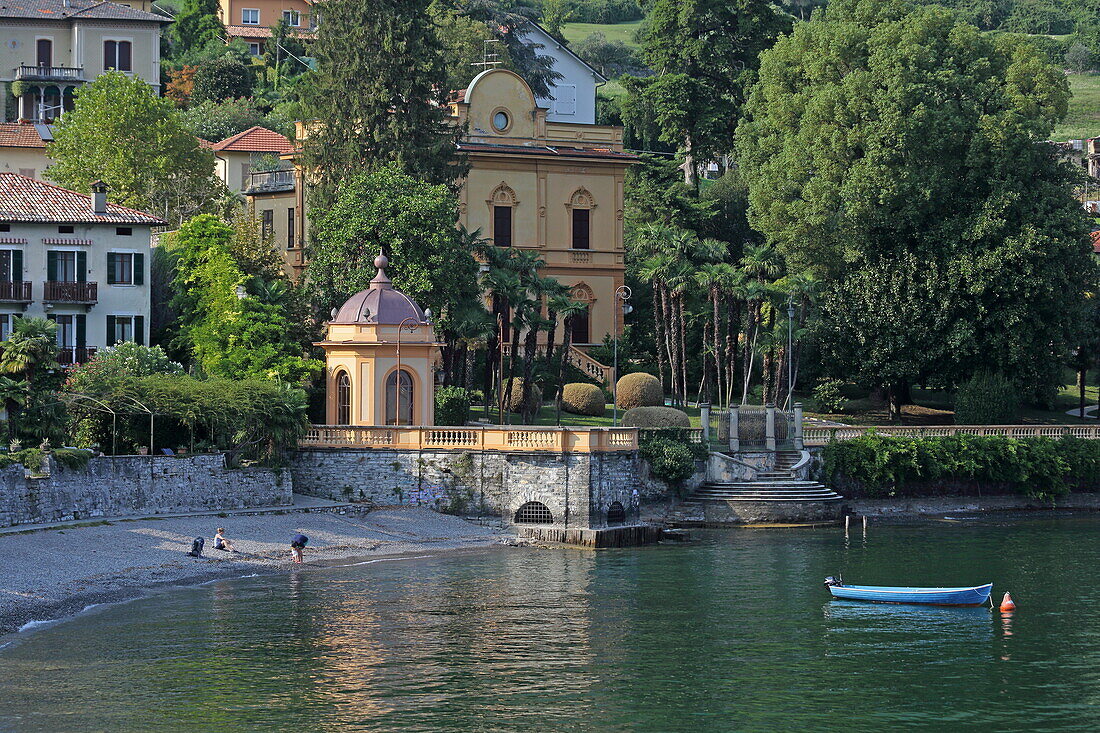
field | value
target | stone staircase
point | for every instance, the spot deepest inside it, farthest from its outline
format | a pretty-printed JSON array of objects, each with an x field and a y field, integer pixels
[{"x": 777, "y": 495}]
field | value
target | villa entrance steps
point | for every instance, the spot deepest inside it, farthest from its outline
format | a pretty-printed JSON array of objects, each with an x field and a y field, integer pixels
[{"x": 764, "y": 489}]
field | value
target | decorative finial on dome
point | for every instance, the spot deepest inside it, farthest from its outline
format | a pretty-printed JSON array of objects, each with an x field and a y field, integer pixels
[{"x": 380, "y": 280}]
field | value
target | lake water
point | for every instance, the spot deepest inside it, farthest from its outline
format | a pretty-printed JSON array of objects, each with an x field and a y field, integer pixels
[{"x": 733, "y": 631}]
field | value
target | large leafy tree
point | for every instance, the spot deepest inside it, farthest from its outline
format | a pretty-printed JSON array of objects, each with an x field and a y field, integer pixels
[
  {"x": 195, "y": 26},
  {"x": 234, "y": 326},
  {"x": 412, "y": 222},
  {"x": 896, "y": 152},
  {"x": 704, "y": 53},
  {"x": 378, "y": 96},
  {"x": 121, "y": 132}
]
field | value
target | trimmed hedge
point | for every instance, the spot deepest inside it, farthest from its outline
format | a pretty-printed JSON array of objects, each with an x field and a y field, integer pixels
[
  {"x": 987, "y": 399},
  {"x": 639, "y": 390},
  {"x": 1043, "y": 468},
  {"x": 656, "y": 417},
  {"x": 452, "y": 406},
  {"x": 581, "y": 398}
]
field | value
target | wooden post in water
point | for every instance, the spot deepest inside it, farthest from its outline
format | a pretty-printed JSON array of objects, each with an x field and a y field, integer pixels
[
  {"x": 847, "y": 518},
  {"x": 864, "y": 526}
]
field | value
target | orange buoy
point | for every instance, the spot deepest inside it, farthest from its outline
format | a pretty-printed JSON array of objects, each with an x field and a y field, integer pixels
[{"x": 1007, "y": 604}]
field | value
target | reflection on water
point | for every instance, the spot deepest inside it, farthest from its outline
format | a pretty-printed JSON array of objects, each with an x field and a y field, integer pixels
[{"x": 732, "y": 632}]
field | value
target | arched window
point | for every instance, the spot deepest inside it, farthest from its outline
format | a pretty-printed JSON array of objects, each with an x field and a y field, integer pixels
[
  {"x": 616, "y": 514},
  {"x": 501, "y": 203},
  {"x": 580, "y": 208},
  {"x": 343, "y": 399},
  {"x": 534, "y": 512},
  {"x": 399, "y": 398}
]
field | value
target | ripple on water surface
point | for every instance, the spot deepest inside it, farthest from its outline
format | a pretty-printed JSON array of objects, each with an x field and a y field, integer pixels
[{"x": 732, "y": 632}]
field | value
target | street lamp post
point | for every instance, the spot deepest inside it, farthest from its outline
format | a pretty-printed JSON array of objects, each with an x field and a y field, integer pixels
[
  {"x": 790, "y": 349},
  {"x": 622, "y": 294},
  {"x": 412, "y": 324}
]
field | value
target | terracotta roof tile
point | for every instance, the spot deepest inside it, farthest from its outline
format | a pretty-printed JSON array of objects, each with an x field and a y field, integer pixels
[
  {"x": 255, "y": 140},
  {"x": 1096, "y": 242},
  {"x": 259, "y": 31},
  {"x": 25, "y": 199},
  {"x": 16, "y": 135},
  {"x": 59, "y": 10}
]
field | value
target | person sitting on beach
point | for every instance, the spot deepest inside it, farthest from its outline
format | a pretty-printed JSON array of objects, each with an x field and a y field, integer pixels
[
  {"x": 221, "y": 543},
  {"x": 297, "y": 545}
]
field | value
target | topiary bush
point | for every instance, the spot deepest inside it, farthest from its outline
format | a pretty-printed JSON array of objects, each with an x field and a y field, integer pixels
[
  {"x": 656, "y": 417},
  {"x": 580, "y": 398},
  {"x": 669, "y": 460},
  {"x": 521, "y": 397},
  {"x": 639, "y": 390},
  {"x": 452, "y": 406},
  {"x": 987, "y": 399}
]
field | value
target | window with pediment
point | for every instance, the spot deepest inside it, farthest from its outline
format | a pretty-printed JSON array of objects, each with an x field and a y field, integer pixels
[
  {"x": 580, "y": 208},
  {"x": 502, "y": 203}
]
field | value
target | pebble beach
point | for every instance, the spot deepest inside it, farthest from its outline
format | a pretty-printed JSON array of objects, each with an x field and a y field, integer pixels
[{"x": 46, "y": 574}]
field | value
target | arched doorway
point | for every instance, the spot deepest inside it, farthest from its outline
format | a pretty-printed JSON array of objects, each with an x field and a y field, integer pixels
[
  {"x": 616, "y": 513},
  {"x": 534, "y": 512},
  {"x": 399, "y": 398},
  {"x": 343, "y": 399}
]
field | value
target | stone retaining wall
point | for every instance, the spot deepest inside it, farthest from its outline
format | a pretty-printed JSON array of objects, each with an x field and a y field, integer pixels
[
  {"x": 119, "y": 486},
  {"x": 577, "y": 488}
]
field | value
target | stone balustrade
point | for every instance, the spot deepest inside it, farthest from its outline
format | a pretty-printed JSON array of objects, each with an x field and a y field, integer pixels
[
  {"x": 482, "y": 438},
  {"x": 820, "y": 435}
]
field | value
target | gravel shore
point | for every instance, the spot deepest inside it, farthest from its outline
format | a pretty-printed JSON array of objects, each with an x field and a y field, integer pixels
[{"x": 51, "y": 573}]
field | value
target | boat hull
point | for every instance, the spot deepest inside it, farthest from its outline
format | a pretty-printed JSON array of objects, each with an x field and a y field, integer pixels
[{"x": 976, "y": 596}]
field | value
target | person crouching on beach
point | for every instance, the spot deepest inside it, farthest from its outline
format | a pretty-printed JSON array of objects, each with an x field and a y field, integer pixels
[
  {"x": 297, "y": 545},
  {"x": 221, "y": 543}
]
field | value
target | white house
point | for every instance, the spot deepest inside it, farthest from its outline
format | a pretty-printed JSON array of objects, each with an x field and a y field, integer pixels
[
  {"x": 74, "y": 259},
  {"x": 574, "y": 95}
]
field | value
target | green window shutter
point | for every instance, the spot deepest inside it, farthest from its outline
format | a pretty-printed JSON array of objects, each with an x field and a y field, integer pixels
[
  {"x": 51, "y": 266},
  {"x": 17, "y": 265},
  {"x": 110, "y": 269},
  {"x": 51, "y": 317},
  {"x": 139, "y": 269},
  {"x": 110, "y": 340},
  {"x": 81, "y": 331},
  {"x": 81, "y": 267},
  {"x": 139, "y": 330}
]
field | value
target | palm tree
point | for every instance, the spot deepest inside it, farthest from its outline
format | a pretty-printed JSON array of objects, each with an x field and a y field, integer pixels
[
  {"x": 568, "y": 311},
  {"x": 13, "y": 395},
  {"x": 31, "y": 347}
]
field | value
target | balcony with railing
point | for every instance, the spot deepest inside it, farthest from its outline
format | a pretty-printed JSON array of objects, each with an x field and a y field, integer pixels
[
  {"x": 270, "y": 181},
  {"x": 67, "y": 292},
  {"x": 49, "y": 73},
  {"x": 15, "y": 292},
  {"x": 73, "y": 355}
]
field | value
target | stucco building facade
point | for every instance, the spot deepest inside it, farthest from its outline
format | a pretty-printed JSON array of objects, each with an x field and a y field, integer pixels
[{"x": 77, "y": 260}]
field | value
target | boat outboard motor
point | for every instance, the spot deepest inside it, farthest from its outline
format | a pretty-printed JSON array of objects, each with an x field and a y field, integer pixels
[
  {"x": 196, "y": 547},
  {"x": 832, "y": 581}
]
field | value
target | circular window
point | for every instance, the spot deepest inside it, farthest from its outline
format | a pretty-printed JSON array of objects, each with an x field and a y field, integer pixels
[{"x": 500, "y": 120}]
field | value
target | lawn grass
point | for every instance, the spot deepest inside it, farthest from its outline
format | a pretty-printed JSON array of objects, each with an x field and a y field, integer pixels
[
  {"x": 624, "y": 32},
  {"x": 1083, "y": 119}
]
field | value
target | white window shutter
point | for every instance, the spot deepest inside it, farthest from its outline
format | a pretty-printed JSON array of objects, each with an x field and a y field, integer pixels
[{"x": 565, "y": 99}]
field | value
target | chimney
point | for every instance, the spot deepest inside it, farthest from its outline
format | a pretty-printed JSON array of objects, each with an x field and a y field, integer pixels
[{"x": 99, "y": 197}]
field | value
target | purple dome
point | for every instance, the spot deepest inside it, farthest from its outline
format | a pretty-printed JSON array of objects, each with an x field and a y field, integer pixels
[{"x": 379, "y": 304}]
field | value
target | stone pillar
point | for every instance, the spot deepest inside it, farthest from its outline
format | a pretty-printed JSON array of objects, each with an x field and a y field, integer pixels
[
  {"x": 769, "y": 429},
  {"x": 798, "y": 442},
  {"x": 704, "y": 420},
  {"x": 735, "y": 436}
]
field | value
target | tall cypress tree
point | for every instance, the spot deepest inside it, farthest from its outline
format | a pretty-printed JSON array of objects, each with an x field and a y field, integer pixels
[{"x": 378, "y": 96}]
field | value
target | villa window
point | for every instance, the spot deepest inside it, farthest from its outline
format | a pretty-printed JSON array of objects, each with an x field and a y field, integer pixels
[
  {"x": 125, "y": 328},
  {"x": 502, "y": 226},
  {"x": 11, "y": 266},
  {"x": 579, "y": 328},
  {"x": 399, "y": 399},
  {"x": 44, "y": 51},
  {"x": 343, "y": 399},
  {"x": 267, "y": 225},
  {"x": 250, "y": 16},
  {"x": 581, "y": 229},
  {"x": 118, "y": 55},
  {"x": 66, "y": 267},
  {"x": 5, "y": 325},
  {"x": 254, "y": 49},
  {"x": 125, "y": 268},
  {"x": 290, "y": 228},
  {"x": 292, "y": 17}
]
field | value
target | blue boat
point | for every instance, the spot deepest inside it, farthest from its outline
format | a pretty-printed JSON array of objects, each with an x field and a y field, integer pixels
[{"x": 976, "y": 596}]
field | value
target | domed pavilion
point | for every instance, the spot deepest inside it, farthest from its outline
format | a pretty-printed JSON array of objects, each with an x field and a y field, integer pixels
[{"x": 381, "y": 355}]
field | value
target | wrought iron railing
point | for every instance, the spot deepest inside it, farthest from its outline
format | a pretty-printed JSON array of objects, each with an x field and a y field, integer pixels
[
  {"x": 67, "y": 292},
  {"x": 18, "y": 292},
  {"x": 72, "y": 355}
]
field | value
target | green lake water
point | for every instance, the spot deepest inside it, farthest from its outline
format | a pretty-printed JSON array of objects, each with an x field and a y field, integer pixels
[{"x": 731, "y": 632}]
